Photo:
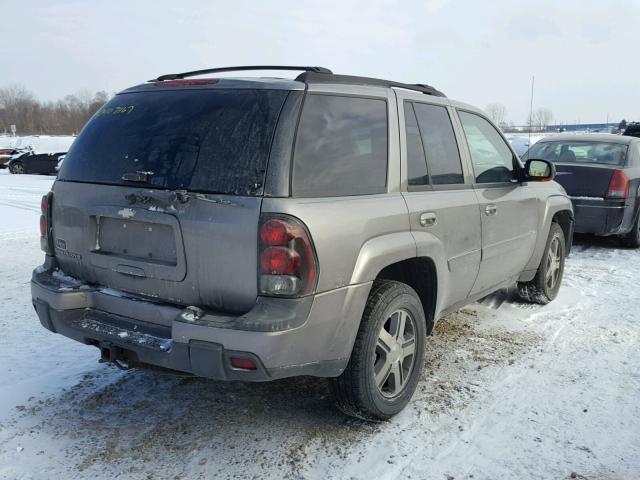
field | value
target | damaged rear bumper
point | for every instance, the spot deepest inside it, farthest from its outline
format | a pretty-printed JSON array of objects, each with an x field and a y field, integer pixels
[{"x": 284, "y": 337}]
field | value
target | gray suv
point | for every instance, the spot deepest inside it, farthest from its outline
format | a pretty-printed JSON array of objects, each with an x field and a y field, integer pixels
[{"x": 259, "y": 228}]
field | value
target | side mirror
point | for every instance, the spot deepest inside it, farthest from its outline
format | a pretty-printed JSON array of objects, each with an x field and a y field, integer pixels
[{"x": 537, "y": 170}]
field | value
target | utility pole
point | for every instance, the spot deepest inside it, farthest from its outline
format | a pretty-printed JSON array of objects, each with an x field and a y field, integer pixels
[{"x": 533, "y": 78}]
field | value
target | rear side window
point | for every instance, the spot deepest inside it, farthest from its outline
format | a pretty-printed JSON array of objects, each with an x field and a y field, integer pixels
[
  {"x": 491, "y": 156},
  {"x": 416, "y": 163},
  {"x": 212, "y": 141},
  {"x": 443, "y": 157},
  {"x": 341, "y": 147}
]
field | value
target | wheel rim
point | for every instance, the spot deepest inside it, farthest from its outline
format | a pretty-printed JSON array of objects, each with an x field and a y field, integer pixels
[
  {"x": 554, "y": 264},
  {"x": 395, "y": 353},
  {"x": 17, "y": 168}
]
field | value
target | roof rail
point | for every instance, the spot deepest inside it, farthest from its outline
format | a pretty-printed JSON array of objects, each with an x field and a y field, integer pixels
[
  {"x": 310, "y": 76},
  {"x": 313, "y": 75},
  {"x": 176, "y": 76}
]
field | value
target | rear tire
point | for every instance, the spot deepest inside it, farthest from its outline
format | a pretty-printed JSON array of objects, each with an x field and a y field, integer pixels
[
  {"x": 16, "y": 168},
  {"x": 632, "y": 239},
  {"x": 545, "y": 285},
  {"x": 387, "y": 356}
]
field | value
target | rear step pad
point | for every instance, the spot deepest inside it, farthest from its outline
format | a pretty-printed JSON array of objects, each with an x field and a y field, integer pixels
[{"x": 124, "y": 335}]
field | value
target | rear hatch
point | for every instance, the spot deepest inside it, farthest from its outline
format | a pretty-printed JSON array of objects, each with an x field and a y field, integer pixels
[
  {"x": 160, "y": 195},
  {"x": 584, "y": 168}
]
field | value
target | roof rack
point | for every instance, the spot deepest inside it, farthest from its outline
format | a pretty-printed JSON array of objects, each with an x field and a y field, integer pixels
[
  {"x": 176, "y": 76},
  {"x": 310, "y": 76}
]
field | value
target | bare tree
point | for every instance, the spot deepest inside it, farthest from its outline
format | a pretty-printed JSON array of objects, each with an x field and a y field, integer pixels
[
  {"x": 540, "y": 119},
  {"x": 19, "y": 107},
  {"x": 497, "y": 112},
  {"x": 543, "y": 117}
]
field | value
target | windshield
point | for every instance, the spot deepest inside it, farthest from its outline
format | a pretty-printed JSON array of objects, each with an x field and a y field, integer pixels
[
  {"x": 212, "y": 141},
  {"x": 600, "y": 153}
]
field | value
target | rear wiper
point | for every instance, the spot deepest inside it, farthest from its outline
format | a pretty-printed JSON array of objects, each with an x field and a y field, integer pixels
[{"x": 138, "y": 177}]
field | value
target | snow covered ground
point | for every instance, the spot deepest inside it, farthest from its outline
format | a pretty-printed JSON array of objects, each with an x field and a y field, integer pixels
[
  {"x": 509, "y": 391},
  {"x": 39, "y": 143}
]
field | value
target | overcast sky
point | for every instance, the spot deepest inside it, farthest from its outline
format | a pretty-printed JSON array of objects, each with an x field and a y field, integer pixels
[{"x": 584, "y": 55}]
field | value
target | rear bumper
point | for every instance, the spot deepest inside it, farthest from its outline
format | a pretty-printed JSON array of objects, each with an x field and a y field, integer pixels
[
  {"x": 602, "y": 217},
  {"x": 315, "y": 338}
]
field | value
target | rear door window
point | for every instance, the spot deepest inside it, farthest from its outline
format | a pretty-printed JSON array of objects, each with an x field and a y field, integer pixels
[
  {"x": 416, "y": 162},
  {"x": 205, "y": 140},
  {"x": 341, "y": 147},
  {"x": 439, "y": 140}
]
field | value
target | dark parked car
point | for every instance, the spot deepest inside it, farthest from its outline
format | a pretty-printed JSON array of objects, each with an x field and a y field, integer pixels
[
  {"x": 632, "y": 130},
  {"x": 6, "y": 154},
  {"x": 601, "y": 174},
  {"x": 30, "y": 162}
]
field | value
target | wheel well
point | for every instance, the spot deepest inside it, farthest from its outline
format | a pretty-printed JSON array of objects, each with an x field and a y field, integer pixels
[
  {"x": 420, "y": 274},
  {"x": 565, "y": 220}
]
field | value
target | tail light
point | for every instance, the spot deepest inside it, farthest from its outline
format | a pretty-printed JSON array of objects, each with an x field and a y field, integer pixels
[
  {"x": 619, "y": 185},
  {"x": 287, "y": 263},
  {"x": 45, "y": 224},
  {"x": 188, "y": 82}
]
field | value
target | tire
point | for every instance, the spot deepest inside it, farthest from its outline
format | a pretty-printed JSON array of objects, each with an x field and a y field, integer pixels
[
  {"x": 16, "y": 168},
  {"x": 367, "y": 389},
  {"x": 545, "y": 285},
  {"x": 632, "y": 239}
]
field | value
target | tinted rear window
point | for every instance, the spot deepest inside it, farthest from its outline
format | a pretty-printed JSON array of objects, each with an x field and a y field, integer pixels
[
  {"x": 416, "y": 161},
  {"x": 341, "y": 147},
  {"x": 601, "y": 153},
  {"x": 214, "y": 141},
  {"x": 440, "y": 144}
]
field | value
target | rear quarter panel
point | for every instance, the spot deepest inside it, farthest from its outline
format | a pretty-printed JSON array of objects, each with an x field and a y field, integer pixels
[{"x": 367, "y": 232}]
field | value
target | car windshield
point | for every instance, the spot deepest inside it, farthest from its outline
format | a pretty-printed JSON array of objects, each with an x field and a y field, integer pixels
[
  {"x": 212, "y": 141},
  {"x": 601, "y": 153}
]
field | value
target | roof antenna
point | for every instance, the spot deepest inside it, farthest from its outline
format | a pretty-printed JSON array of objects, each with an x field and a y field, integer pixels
[{"x": 533, "y": 79}]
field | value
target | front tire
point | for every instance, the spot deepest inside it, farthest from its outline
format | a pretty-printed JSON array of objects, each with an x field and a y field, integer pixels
[
  {"x": 387, "y": 356},
  {"x": 545, "y": 285},
  {"x": 16, "y": 168}
]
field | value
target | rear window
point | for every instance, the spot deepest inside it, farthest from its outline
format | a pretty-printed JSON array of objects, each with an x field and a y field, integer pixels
[
  {"x": 601, "y": 153},
  {"x": 212, "y": 141},
  {"x": 341, "y": 147}
]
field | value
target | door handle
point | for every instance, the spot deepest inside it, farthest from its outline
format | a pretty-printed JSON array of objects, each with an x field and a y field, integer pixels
[
  {"x": 490, "y": 209},
  {"x": 428, "y": 219}
]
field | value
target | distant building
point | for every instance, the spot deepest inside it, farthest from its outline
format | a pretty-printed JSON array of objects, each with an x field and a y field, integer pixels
[{"x": 565, "y": 127}]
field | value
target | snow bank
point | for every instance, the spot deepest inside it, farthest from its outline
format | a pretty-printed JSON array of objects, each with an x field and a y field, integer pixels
[{"x": 39, "y": 143}]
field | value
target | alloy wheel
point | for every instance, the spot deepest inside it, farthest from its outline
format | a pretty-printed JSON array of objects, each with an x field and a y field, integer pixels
[
  {"x": 395, "y": 353},
  {"x": 554, "y": 258}
]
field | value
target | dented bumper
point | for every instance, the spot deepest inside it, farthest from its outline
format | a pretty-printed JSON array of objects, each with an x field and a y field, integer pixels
[{"x": 285, "y": 337}]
